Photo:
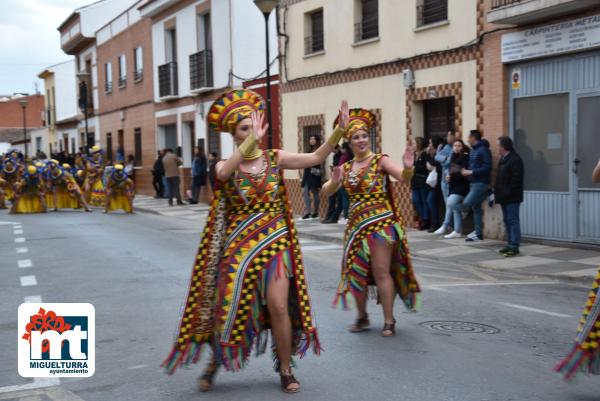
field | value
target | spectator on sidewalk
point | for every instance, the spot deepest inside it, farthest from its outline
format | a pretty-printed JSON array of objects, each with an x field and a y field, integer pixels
[
  {"x": 171, "y": 164},
  {"x": 335, "y": 200},
  {"x": 418, "y": 184},
  {"x": 158, "y": 172},
  {"x": 443, "y": 156},
  {"x": 479, "y": 176},
  {"x": 312, "y": 182},
  {"x": 130, "y": 167},
  {"x": 509, "y": 193},
  {"x": 198, "y": 174},
  {"x": 458, "y": 188},
  {"x": 434, "y": 187}
]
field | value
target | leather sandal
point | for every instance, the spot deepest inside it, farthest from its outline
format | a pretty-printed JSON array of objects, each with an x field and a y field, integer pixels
[
  {"x": 206, "y": 381},
  {"x": 391, "y": 327},
  {"x": 287, "y": 379},
  {"x": 361, "y": 324}
]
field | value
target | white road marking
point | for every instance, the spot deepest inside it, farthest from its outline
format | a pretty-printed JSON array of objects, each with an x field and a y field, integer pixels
[
  {"x": 527, "y": 308},
  {"x": 18, "y": 232},
  {"x": 28, "y": 281},
  {"x": 22, "y": 249},
  {"x": 25, "y": 263},
  {"x": 438, "y": 276},
  {"x": 19, "y": 239},
  {"x": 434, "y": 288},
  {"x": 8, "y": 223},
  {"x": 321, "y": 247},
  {"x": 137, "y": 367},
  {"x": 33, "y": 299},
  {"x": 37, "y": 383}
]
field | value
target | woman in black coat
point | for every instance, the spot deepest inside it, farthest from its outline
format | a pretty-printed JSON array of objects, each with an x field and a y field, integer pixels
[
  {"x": 312, "y": 182},
  {"x": 458, "y": 189}
]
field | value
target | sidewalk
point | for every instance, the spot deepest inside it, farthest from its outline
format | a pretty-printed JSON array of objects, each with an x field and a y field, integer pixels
[{"x": 537, "y": 260}]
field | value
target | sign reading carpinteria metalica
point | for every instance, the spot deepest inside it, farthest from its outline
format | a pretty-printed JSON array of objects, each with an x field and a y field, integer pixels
[{"x": 56, "y": 340}]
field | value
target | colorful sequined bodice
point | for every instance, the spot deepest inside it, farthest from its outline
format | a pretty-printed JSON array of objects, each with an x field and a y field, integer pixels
[
  {"x": 261, "y": 192},
  {"x": 367, "y": 183}
]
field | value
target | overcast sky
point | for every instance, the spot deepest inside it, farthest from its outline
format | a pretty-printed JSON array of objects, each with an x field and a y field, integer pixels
[{"x": 29, "y": 40}]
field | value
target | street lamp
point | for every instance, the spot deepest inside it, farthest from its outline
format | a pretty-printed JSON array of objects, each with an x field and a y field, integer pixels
[
  {"x": 23, "y": 103},
  {"x": 83, "y": 104},
  {"x": 266, "y": 6}
]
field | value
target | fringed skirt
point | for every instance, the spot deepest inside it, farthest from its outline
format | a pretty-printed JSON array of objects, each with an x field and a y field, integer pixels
[
  {"x": 585, "y": 354},
  {"x": 97, "y": 194},
  {"x": 366, "y": 227},
  {"x": 119, "y": 201},
  {"x": 29, "y": 203},
  {"x": 66, "y": 199}
]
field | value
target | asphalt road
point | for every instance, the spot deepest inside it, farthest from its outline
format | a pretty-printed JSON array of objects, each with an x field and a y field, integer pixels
[{"x": 134, "y": 270}]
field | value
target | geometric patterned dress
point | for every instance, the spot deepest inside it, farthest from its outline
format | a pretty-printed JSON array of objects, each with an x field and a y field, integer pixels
[
  {"x": 249, "y": 240},
  {"x": 373, "y": 216},
  {"x": 585, "y": 354}
]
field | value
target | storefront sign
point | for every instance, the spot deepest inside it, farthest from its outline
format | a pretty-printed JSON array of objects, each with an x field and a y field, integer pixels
[{"x": 564, "y": 37}]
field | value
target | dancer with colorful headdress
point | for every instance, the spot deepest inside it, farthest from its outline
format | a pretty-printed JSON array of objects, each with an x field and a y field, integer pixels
[
  {"x": 585, "y": 354},
  {"x": 119, "y": 191},
  {"x": 94, "y": 186},
  {"x": 9, "y": 173},
  {"x": 63, "y": 190},
  {"x": 248, "y": 278},
  {"x": 375, "y": 246},
  {"x": 29, "y": 194}
]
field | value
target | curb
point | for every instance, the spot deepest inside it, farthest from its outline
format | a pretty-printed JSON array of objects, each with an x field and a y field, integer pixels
[{"x": 577, "y": 280}]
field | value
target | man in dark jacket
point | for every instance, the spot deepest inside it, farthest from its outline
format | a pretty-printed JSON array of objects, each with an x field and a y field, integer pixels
[
  {"x": 479, "y": 174},
  {"x": 158, "y": 172},
  {"x": 509, "y": 193}
]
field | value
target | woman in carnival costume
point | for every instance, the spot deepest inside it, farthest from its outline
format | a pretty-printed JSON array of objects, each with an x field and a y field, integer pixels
[
  {"x": 63, "y": 189},
  {"x": 9, "y": 173},
  {"x": 119, "y": 191},
  {"x": 375, "y": 246},
  {"x": 94, "y": 186},
  {"x": 248, "y": 278},
  {"x": 585, "y": 354},
  {"x": 29, "y": 192}
]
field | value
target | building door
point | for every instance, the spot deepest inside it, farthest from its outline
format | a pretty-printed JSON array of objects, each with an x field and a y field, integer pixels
[
  {"x": 439, "y": 117},
  {"x": 586, "y": 157}
]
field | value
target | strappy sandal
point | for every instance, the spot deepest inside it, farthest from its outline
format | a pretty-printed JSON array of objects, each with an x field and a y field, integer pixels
[
  {"x": 361, "y": 324},
  {"x": 287, "y": 379},
  {"x": 206, "y": 381},
  {"x": 391, "y": 327}
]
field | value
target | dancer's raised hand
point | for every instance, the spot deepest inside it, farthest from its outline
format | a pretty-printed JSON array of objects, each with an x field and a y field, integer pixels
[
  {"x": 344, "y": 115},
  {"x": 408, "y": 159},
  {"x": 259, "y": 127}
]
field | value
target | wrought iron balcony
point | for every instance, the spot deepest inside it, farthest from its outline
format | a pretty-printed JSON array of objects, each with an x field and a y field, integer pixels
[
  {"x": 167, "y": 80},
  {"x": 314, "y": 44},
  {"x": 432, "y": 12},
  {"x": 366, "y": 29},
  {"x": 201, "y": 70},
  {"x": 122, "y": 81},
  {"x": 108, "y": 87},
  {"x": 138, "y": 75}
]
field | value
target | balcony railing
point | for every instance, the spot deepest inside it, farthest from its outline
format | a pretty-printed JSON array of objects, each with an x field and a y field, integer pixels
[
  {"x": 138, "y": 75},
  {"x": 366, "y": 29},
  {"x": 122, "y": 82},
  {"x": 314, "y": 44},
  {"x": 201, "y": 70},
  {"x": 503, "y": 3},
  {"x": 167, "y": 79},
  {"x": 432, "y": 12},
  {"x": 108, "y": 87}
]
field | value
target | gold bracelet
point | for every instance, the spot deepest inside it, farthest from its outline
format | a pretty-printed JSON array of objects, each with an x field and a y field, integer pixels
[{"x": 335, "y": 137}]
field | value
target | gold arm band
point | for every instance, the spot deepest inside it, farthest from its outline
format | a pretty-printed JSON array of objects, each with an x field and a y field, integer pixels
[
  {"x": 335, "y": 137},
  {"x": 408, "y": 173},
  {"x": 249, "y": 147}
]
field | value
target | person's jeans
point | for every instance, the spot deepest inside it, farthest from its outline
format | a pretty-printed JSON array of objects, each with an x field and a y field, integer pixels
[
  {"x": 453, "y": 208},
  {"x": 510, "y": 213},
  {"x": 196, "y": 188},
  {"x": 477, "y": 194},
  {"x": 445, "y": 185},
  {"x": 434, "y": 214},
  {"x": 174, "y": 189},
  {"x": 419, "y": 199},
  {"x": 315, "y": 193},
  {"x": 166, "y": 188}
]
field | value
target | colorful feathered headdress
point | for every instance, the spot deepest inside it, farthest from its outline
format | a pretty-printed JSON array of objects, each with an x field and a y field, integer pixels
[
  {"x": 360, "y": 119},
  {"x": 232, "y": 107}
]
